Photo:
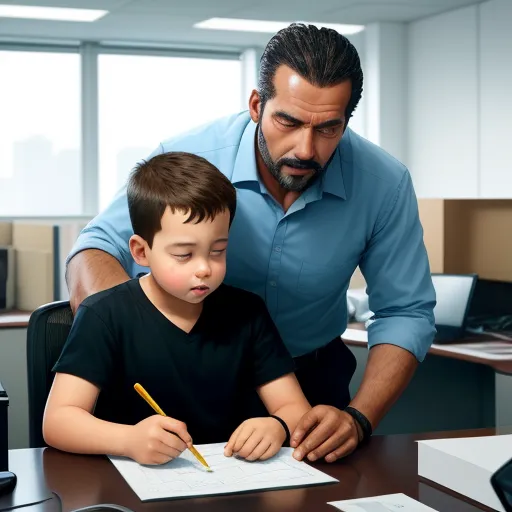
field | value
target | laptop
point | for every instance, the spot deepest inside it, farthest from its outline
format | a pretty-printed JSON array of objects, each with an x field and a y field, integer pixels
[{"x": 454, "y": 293}]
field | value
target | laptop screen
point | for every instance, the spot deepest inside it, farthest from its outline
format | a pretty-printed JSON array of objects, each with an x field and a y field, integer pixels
[{"x": 453, "y": 293}]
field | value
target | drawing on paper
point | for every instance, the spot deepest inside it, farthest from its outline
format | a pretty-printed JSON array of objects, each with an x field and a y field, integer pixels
[{"x": 184, "y": 476}]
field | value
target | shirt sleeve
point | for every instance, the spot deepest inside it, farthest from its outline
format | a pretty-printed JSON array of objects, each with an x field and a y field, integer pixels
[
  {"x": 270, "y": 358},
  {"x": 396, "y": 268},
  {"x": 110, "y": 231},
  {"x": 90, "y": 350}
]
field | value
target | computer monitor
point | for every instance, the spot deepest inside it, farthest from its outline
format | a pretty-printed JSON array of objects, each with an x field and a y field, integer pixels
[{"x": 453, "y": 294}]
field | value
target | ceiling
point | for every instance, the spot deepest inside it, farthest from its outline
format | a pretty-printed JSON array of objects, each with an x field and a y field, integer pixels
[{"x": 170, "y": 21}]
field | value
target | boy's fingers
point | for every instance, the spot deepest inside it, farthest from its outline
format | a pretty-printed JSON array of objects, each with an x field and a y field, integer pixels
[
  {"x": 243, "y": 435},
  {"x": 259, "y": 450},
  {"x": 168, "y": 451},
  {"x": 271, "y": 451},
  {"x": 177, "y": 427},
  {"x": 172, "y": 441},
  {"x": 250, "y": 444},
  {"x": 228, "y": 449}
]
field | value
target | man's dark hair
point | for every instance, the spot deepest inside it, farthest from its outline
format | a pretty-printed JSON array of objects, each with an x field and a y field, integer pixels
[
  {"x": 320, "y": 55},
  {"x": 180, "y": 181}
]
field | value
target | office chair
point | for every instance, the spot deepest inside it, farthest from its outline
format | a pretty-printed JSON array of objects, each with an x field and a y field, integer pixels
[{"x": 48, "y": 329}]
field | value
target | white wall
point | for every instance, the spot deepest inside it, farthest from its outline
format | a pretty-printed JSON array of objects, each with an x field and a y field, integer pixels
[
  {"x": 386, "y": 89},
  {"x": 459, "y": 79}
]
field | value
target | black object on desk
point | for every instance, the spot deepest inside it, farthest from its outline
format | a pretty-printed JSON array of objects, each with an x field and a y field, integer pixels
[
  {"x": 7, "y": 479},
  {"x": 501, "y": 482}
]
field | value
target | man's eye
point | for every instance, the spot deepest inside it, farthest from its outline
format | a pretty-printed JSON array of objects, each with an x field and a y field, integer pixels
[
  {"x": 286, "y": 124},
  {"x": 329, "y": 131}
]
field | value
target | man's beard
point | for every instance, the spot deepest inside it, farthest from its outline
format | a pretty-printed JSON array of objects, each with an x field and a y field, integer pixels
[{"x": 289, "y": 182}]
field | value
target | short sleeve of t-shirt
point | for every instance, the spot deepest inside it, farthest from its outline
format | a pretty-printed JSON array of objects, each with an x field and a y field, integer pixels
[
  {"x": 89, "y": 351},
  {"x": 270, "y": 358}
]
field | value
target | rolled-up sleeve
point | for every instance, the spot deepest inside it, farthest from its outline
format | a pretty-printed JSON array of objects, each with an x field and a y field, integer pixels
[
  {"x": 396, "y": 268},
  {"x": 110, "y": 231}
]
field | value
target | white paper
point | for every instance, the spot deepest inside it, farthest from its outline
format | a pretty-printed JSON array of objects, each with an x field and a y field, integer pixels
[
  {"x": 185, "y": 477},
  {"x": 386, "y": 503},
  {"x": 465, "y": 465}
]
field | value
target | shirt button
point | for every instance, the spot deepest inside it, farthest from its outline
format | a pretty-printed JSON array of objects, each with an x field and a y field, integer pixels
[
  {"x": 273, "y": 284},
  {"x": 277, "y": 248}
]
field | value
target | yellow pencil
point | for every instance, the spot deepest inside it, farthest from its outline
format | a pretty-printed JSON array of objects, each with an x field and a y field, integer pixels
[{"x": 144, "y": 394}]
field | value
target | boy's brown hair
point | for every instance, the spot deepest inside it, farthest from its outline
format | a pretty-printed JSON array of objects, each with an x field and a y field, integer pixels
[{"x": 180, "y": 181}]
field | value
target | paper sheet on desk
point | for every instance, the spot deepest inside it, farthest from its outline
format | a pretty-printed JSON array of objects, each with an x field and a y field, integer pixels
[
  {"x": 184, "y": 477},
  {"x": 389, "y": 502}
]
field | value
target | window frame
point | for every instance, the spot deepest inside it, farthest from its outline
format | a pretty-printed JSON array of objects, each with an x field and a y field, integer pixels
[{"x": 89, "y": 53}]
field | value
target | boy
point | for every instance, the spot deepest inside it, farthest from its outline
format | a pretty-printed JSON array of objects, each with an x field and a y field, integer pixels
[{"x": 197, "y": 346}]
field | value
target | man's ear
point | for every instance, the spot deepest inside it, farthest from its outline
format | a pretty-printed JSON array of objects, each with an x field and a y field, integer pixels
[
  {"x": 255, "y": 106},
  {"x": 139, "y": 249}
]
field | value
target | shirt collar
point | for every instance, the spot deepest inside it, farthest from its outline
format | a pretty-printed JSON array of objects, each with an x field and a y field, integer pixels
[
  {"x": 333, "y": 182},
  {"x": 245, "y": 169},
  {"x": 245, "y": 164}
]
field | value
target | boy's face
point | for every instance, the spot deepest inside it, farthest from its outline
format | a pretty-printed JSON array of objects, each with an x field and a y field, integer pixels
[{"x": 188, "y": 260}]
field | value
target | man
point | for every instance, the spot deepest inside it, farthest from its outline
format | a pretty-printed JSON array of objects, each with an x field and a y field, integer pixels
[{"x": 314, "y": 201}]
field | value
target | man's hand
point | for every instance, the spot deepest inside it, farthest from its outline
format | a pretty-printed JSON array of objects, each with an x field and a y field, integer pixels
[{"x": 327, "y": 432}]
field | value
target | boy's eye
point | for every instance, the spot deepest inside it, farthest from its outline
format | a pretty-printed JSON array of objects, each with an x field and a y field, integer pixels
[
  {"x": 217, "y": 252},
  {"x": 182, "y": 256}
]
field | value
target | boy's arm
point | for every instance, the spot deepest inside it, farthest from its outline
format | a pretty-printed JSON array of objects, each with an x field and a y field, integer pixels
[
  {"x": 284, "y": 398},
  {"x": 68, "y": 422},
  {"x": 85, "y": 366}
]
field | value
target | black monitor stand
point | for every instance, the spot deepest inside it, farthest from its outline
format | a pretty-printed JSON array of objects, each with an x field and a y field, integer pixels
[{"x": 7, "y": 479}]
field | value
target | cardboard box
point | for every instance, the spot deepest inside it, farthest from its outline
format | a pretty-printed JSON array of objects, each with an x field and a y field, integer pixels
[
  {"x": 5, "y": 233},
  {"x": 465, "y": 465},
  {"x": 7, "y": 278},
  {"x": 42, "y": 249}
]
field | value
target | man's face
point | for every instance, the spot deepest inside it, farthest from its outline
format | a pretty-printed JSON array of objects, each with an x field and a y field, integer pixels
[{"x": 299, "y": 127}]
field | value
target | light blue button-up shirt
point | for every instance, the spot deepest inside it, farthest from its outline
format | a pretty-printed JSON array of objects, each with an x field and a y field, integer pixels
[{"x": 363, "y": 212}]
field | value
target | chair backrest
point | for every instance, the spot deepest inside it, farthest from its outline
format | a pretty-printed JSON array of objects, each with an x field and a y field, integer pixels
[{"x": 48, "y": 329}]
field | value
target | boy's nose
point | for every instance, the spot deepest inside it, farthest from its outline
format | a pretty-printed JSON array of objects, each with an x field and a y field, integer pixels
[{"x": 203, "y": 271}]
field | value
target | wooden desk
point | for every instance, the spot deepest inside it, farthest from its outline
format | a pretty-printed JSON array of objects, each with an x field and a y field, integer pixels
[
  {"x": 388, "y": 464},
  {"x": 479, "y": 348},
  {"x": 14, "y": 318}
]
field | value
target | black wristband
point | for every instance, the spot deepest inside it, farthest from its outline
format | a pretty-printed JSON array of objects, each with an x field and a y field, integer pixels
[
  {"x": 286, "y": 429},
  {"x": 362, "y": 421}
]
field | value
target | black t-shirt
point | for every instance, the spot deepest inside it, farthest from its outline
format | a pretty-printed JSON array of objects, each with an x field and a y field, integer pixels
[{"x": 119, "y": 338}]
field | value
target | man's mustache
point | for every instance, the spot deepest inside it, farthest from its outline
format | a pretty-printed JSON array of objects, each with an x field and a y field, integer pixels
[{"x": 300, "y": 164}]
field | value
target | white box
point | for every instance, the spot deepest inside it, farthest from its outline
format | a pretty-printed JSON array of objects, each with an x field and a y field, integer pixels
[{"x": 465, "y": 465}]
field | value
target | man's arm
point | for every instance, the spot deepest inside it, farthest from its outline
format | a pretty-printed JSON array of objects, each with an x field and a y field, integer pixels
[
  {"x": 402, "y": 297},
  {"x": 101, "y": 256},
  {"x": 387, "y": 374},
  {"x": 92, "y": 271}
]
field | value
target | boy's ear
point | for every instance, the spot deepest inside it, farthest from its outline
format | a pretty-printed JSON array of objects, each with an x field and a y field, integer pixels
[{"x": 139, "y": 249}]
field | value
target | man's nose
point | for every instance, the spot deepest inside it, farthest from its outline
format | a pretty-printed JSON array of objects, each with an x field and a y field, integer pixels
[{"x": 305, "y": 149}]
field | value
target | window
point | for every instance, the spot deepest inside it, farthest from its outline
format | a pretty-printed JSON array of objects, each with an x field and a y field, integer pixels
[
  {"x": 146, "y": 99},
  {"x": 39, "y": 133}
]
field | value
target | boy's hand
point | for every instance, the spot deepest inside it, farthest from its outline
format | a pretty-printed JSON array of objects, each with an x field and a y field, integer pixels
[
  {"x": 151, "y": 440},
  {"x": 256, "y": 439}
]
